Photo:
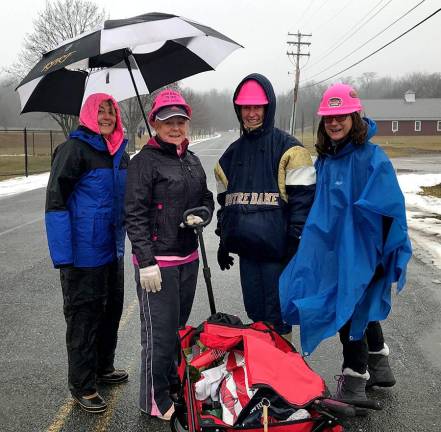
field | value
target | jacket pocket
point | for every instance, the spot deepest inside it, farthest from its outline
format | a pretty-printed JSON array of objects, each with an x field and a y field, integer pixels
[
  {"x": 258, "y": 233},
  {"x": 103, "y": 229},
  {"x": 156, "y": 221},
  {"x": 82, "y": 230}
]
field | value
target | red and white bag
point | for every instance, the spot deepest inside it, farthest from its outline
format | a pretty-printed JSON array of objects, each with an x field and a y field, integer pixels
[{"x": 235, "y": 392}]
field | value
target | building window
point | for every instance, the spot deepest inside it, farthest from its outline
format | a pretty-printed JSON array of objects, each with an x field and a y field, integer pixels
[
  {"x": 417, "y": 126},
  {"x": 438, "y": 126},
  {"x": 395, "y": 126}
]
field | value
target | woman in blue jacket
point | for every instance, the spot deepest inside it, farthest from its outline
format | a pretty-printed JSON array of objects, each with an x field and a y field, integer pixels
[
  {"x": 354, "y": 246},
  {"x": 84, "y": 225}
]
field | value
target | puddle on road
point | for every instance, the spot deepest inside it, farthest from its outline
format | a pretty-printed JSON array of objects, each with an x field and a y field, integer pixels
[
  {"x": 405, "y": 170},
  {"x": 431, "y": 341},
  {"x": 427, "y": 216},
  {"x": 431, "y": 345}
]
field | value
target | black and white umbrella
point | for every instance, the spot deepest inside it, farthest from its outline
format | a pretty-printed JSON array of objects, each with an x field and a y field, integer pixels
[{"x": 125, "y": 58}]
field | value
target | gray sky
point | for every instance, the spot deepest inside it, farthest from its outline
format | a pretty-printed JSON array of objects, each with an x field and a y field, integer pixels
[{"x": 262, "y": 27}]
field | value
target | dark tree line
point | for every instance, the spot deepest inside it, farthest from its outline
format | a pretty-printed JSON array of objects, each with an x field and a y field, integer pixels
[
  {"x": 213, "y": 110},
  {"x": 368, "y": 85}
]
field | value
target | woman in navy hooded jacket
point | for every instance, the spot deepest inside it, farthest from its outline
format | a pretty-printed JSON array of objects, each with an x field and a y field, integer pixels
[
  {"x": 354, "y": 246},
  {"x": 265, "y": 184},
  {"x": 84, "y": 224}
]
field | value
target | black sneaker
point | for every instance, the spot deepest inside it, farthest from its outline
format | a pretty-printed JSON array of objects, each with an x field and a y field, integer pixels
[
  {"x": 93, "y": 405},
  {"x": 116, "y": 377}
]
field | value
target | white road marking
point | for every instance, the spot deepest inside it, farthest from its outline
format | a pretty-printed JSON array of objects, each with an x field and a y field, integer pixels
[{"x": 20, "y": 226}]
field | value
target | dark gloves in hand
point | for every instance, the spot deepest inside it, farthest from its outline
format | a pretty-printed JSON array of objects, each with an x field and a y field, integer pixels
[
  {"x": 224, "y": 259},
  {"x": 291, "y": 248}
]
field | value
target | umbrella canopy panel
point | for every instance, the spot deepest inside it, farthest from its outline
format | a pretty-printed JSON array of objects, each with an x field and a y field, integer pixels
[
  {"x": 51, "y": 93},
  {"x": 108, "y": 46},
  {"x": 159, "y": 48}
]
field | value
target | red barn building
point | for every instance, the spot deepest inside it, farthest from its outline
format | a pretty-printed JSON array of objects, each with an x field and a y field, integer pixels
[{"x": 407, "y": 116}]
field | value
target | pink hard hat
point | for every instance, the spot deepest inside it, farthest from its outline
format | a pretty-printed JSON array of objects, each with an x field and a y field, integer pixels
[
  {"x": 339, "y": 99},
  {"x": 251, "y": 93},
  {"x": 168, "y": 98}
]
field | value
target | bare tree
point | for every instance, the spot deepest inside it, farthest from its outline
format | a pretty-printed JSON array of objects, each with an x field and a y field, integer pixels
[
  {"x": 59, "y": 21},
  {"x": 131, "y": 114}
]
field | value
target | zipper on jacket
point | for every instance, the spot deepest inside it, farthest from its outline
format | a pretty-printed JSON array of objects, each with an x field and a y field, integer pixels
[
  {"x": 158, "y": 207},
  {"x": 185, "y": 168}
]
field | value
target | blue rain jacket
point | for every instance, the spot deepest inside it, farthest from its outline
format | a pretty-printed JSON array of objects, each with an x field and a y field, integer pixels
[
  {"x": 331, "y": 278},
  {"x": 85, "y": 202}
]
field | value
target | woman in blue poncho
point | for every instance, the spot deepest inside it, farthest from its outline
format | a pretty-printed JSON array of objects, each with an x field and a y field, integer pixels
[{"x": 354, "y": 246}]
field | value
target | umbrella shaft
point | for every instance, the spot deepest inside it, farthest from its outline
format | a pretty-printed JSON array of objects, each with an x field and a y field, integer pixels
[{"x": 126, "y": 60}]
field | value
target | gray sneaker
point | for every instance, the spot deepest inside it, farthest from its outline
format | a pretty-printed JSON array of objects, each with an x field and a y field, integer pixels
[
  {"x": 381, "y": 374},
  {"x": 351, "y": 386}
]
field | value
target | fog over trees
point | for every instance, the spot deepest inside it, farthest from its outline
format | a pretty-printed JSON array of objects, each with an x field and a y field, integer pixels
[
  {"x": 213, "y": 110},
  {"x": 59, "y": 21}
]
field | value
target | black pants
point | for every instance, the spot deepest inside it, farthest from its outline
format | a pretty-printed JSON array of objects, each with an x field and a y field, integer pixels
[
  {"x": 161, "y": 314},
  {"x": 356, "y": 353},
  {"x": 260, "y": 290},
  {"x": 93, "y": 303}
]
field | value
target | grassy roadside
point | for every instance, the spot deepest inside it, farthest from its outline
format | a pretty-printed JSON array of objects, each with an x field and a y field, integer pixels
[
  {"x": 14, "y": 166},
  {"x": 434, "y": 191},
  {"x": 394, "y": 146}
]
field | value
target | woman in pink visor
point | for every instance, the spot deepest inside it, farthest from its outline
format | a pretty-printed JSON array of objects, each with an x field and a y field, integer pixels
[{"x": 165, "y": 178}]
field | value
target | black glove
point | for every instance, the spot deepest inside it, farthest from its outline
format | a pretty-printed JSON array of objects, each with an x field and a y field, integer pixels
[
  {"x": 224, "y": 259},
  {"x": 291, "y": 248}
]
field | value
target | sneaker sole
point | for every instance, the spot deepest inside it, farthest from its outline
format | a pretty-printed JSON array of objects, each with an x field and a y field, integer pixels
[
  {"x": 88, "y": 409},
  {"x": 105, "y": 381}
]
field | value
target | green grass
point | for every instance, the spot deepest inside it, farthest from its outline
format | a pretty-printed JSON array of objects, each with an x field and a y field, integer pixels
[
  {"x": 394, "y": 146},
  {"x": 434, "y": 191},
  {"x": 13, "y": 166}
]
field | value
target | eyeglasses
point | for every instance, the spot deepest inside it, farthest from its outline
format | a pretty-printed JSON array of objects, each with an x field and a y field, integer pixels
[{"x": 338, "y": 118}]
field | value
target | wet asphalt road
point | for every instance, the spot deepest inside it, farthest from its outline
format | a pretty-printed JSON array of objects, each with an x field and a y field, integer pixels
[{"x": 34, "y": 394}]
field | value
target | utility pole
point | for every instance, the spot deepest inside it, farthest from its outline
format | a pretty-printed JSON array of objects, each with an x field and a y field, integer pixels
[{"x": 296, "y": 56}]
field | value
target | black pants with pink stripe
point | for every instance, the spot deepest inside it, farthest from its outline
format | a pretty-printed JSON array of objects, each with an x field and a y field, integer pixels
[{"x": 161, "y": 314}]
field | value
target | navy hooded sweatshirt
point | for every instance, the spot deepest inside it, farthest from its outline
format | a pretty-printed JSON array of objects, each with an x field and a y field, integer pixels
[{"x": 265, "y": 185}]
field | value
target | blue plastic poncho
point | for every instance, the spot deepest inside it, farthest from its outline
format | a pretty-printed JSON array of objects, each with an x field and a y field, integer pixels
[{"x": 330, "y": 279}]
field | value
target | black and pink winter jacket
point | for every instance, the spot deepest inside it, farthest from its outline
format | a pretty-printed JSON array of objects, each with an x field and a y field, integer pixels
[{"x": 161, "y": 185}]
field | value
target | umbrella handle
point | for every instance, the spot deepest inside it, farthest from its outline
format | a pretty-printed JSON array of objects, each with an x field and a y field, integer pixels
[{"x": 129, "y": 68}]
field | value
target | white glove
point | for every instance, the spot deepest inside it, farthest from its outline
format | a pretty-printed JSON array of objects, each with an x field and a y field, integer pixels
[
  {"x": 150, "y": 278},
  {"x": 194, "y": 220}
]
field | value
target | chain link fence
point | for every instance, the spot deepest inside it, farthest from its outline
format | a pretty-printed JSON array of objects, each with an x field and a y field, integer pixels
[{"x": 29, "y": 151}]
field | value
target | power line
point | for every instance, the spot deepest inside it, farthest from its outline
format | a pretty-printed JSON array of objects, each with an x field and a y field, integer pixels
[
  {"x": 304, "y": 12},
  {"x": 354, "y": 29},
  {"x": 333, "y": 16},
  {"x": 376, "y": 51},
  {"x": 316, "y": 11},
  {"x": 369, "y": 40}
]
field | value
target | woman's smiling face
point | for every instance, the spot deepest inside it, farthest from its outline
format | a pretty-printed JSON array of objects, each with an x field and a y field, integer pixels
[
  {"x": 106, "y": 118},
  {"x": 338, "y": 127},
  {"x": 173, "y": 130}
]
